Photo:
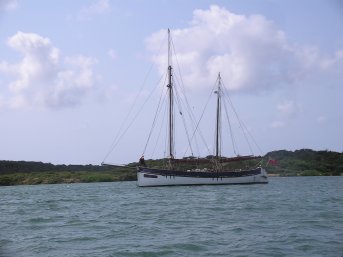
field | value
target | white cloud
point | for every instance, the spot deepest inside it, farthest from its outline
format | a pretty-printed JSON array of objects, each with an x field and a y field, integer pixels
[
  {"x": 96, "y": 8},
  {"x": 288, "y": 108},
  {"x": 8, "y": 5},
  {"x": 73, "y": 83},
  {"x": 39, "y": 62},
  {"x": 314, "y": 61},
  {"x": 18, "y": 102},
  {"x": 42, "y": 78},
  {"x": 251, "y": 53},
  {"x": 328, "y": 63}
]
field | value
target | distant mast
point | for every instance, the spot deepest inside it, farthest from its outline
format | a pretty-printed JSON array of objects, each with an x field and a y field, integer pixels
[
  {"x": 171, "y": 102},
  {"x": 218, "y": 119}
]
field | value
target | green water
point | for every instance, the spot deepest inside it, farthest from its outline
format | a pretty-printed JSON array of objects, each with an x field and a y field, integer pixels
[{"x": 295, "y": 216}]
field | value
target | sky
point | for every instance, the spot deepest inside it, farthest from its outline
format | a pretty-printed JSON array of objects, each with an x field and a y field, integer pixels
[{"x": 71, "y": 71}]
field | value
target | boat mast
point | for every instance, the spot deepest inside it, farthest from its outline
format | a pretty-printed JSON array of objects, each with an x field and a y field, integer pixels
[
  {"x": 218, "y": 119},
  {"x": 171, "y": 102}
]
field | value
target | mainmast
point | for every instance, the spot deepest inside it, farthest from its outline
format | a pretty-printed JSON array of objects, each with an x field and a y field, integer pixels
[
  {"x": 218, "y": 119},
  {"x": 171, "y": 102}
]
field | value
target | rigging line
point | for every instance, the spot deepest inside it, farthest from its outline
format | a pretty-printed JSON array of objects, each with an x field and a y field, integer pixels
[
  {"x": 253, "y": 139},
  {"x": 178, "y": 100},
  {"x": 230, "y": 128},
  {"x": 154, "y": 121},
  {"x": 239, "y": 121},
  {"x": 214, "y": 140},
  {"x": 241, "y": 124},
  {"x": 166, "y": 142},
  {"x": 173, "y": 153},
  {"x": 201, "y": 116},
  {"x": 162, "y": 122},
  {"x": 182, "y": 86},
  {"x": 259, "y": 163},
  {"x": 198, "y": 129},
  {"x": 115, "y": 143},
  {"x": 190, "y": 113},
  {"x": 193, "y": 121}
]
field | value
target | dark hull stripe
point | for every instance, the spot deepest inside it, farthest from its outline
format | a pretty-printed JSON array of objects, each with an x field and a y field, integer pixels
[
  {"x": 216, "y": 184},
  {"x": 201, "y": 174}
]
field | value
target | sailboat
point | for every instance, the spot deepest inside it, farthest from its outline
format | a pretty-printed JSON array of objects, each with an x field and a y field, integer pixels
[{"x": 213, "y": 170}]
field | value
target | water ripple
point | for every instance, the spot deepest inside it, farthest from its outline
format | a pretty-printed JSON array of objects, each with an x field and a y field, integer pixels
[{"x": 287, "y": 217}]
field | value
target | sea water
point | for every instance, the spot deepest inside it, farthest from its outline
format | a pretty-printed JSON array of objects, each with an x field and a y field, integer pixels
[{"x": 293, "y": 216}]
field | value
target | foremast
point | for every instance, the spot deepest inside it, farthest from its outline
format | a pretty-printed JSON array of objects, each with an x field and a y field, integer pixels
[
  {"x": 171, "y": 104},
  {"x": 217, "y": 160},
  {"x": 218, "y": 119}
]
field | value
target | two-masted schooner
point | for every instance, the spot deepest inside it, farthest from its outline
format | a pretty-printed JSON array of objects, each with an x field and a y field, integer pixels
[{"x": 198, "y": 171}]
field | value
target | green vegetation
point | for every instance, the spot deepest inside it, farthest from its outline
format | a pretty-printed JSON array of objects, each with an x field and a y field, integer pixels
[
  {"x": 33, "y": 173},
  {"x": 303, "y": 162},
  {"x": 306, "y": 162}
]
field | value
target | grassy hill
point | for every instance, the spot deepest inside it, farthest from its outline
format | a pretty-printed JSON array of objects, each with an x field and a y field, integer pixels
[
  {"x": 31, "y": 173},
  {"x": 306, "y": 162},
  {"x": 303, "y": 162}
]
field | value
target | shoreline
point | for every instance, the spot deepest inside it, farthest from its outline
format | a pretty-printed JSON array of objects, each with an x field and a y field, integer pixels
[{"x": 17, "y": 179}]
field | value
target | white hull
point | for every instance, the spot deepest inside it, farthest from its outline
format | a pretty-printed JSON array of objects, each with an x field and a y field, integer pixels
[{"x": 145, "y": 180}]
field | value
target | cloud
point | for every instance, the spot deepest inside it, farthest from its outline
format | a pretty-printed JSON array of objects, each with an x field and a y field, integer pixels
[
  {"x": 96, "y": 8},
  {"x": 251, "y": 52},
  {"x": 288, "y": 108},
  {"x": 42, "y": 77},
  {"x": 287, "y": 111},
  {"x": 40, "y": 59},
  {"x": 335, "y": 62},
  {"x": 8, "y": 5},
  {"x": 72, "y": 84}
]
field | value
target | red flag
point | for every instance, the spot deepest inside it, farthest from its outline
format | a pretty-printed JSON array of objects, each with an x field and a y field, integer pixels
[{"x": 272, "y": 162}]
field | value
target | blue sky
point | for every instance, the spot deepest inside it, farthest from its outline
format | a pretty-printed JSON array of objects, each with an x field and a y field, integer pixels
[{"x": 70, "y": 71}]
